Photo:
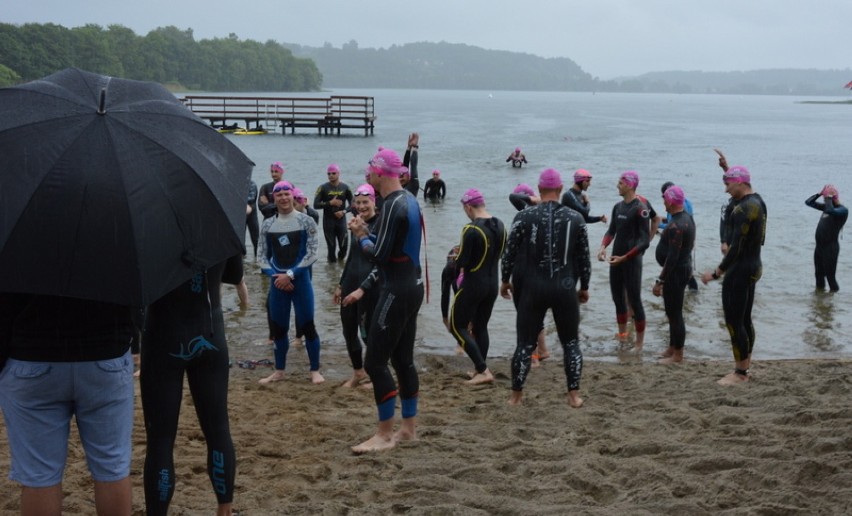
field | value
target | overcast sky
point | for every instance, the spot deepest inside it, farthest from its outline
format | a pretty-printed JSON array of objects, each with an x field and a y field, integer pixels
[{"x": 607, "y": 38}]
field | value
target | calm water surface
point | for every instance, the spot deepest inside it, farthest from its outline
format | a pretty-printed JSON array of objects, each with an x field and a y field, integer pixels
[{"x": 792, "y": 150}]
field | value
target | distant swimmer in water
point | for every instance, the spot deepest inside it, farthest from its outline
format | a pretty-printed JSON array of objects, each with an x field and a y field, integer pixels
[
  {"x": 827, "y": 249},
  {"x": 517, "y": 158}
]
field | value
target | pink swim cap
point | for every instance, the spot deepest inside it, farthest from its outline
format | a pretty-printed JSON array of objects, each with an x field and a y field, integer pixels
[
  {"x": 366, "y": 190},
  {"x": 630, "y": 178},
  {"x": 436, "y": 173},
  {"x": 674, "y": 195},
  {"x": 282, "y": 185},
  {"x": 737, "y": 174},
  {"x": 473, "y": 197},
  {"x": 831, "y": 191},
  {"x": 299, "y": 195},
  {"x": 276, "y": 165},
  {"x": 549, "y": 179},
  {"x": 387, "y": 162},
  {"x": 333, "y": 168},
  {"x": 517, "y": 149},
  {"x": 524, "y": 189},
  {"x": 581, "y": 175}
]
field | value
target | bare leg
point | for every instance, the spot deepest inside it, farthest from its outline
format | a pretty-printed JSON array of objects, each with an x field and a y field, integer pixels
[
  {"x": 515, "y": 397},
  {"x": 574, "y": 399},
  {"x": 668, "y": 352},
  {"x": 113, "y": 498},
  {"x": 358, "y": 375},
  {"x": 622, "y": 333},
  {"x": 382, "y": 440},
  {"x": 316, "y": 378},
  {"x": 41, "y": 500},
  {"x": 541, "y": 347},
  {"x": 407, "y": 430},
  {"x": 640, "y": 340},
  {"x": 675, "y": 357},
  {"x": 736, "y": 378},
  {"x": 276, "y": 376},
  {"x": 242, "y": 293},
  {"x": 480, "y": 378},
  {"x": 224, "y": 509}
]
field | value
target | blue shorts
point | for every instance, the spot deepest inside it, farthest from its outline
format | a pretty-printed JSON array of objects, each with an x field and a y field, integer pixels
[{"x": 38, "y": 400}]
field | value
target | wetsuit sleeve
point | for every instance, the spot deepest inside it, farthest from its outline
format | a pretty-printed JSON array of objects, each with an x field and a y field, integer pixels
[
  {"x": 426, "y": 188},
  {"x": 447, "y": 278},
  {"x": 835, "y": 211},
  {"x": 724, "y": 226},
  {"x": 643, "y": 238},
  {"x": 665, "y": 223},
  {"x": 370, "y": 280},
  {"x": 519, "y": 201},
  {"x": 320, "y": 202},
  {"x": 262, "y": 249},
  {"x": 233, "y": 272},
  {"x": 813, "y": 203},
  {"x": 412, "y": 164},
  {"x": 467, "y": 249},
  {"x": 309, "y": 227},
  {"x": 251, "y": 199},
  {"x": 582, "y": 261},
  {"x": 609, "y": 236},
  {"x": 443, "y": 189},
  {"x": 674, "y": 235},
  {"x": 393, "y": 217},
  {"x": 516, "y": 236}
]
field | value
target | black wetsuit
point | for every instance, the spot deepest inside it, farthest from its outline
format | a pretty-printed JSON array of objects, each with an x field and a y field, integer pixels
[
  {"x": 743, "y": 268},
  {"x": 395, "y": 249},
  {"x": 434, "y": 189},
  {"x": 827, "y": 248},
  {"x": 333, "y": 228},
  {"x": 482, "y": 244},
  {"x": 409, "y": 160},
  {"x": 553, "y": 241},
  {"x": 630, "y": 228},
  {"x": 449, "y": 279},
  {"x": 184, "y": 334},
  {"x": 269, "y": 209},
  {"x": 574, "y": 200},
  {"x": 252, "y": 221},
  {"x": 674, "y": 254},
  {"x": 358, "y": 272}
]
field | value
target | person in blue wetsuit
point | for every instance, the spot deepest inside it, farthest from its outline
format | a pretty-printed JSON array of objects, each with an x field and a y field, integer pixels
[
  {"x": 184, "y": 335},
  {"x": 742, "y": 268},
  {"x": 674, "y": 254},
  {"x": 288, "y": 247},
  {"x": 482, "y": 244},
  {"x": 357, "y": 292},
  {"x": 687, "y": 207},
  {"x": 556, "y": 245},
  {"x": 395, "y": 249},
  {"x": 827, "y": 248},
  {"x": 576, "y": 198},
  {"x": 630, "y": 227}
]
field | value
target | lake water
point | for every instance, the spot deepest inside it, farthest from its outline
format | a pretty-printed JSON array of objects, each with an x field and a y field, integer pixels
[{"x": 792, "y": 149}]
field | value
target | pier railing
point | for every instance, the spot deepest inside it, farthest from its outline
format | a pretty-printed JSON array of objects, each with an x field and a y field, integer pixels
[{"x": 327, "y": 115}]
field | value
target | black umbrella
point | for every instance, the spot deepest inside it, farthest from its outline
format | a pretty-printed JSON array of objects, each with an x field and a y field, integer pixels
[{"x": 112, "y": 190}]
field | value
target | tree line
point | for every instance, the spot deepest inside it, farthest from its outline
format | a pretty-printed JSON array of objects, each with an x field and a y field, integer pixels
[{"x": 167, "y": 55}]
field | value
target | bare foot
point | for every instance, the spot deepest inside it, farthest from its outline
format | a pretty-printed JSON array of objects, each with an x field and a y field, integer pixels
[
  {"x": 297, "y": 342},
  {"x": 378, "y": 442},
  {"x": 534, "y": 362},
  {"x": 543, "y": 355},
  {"x": 515, "y": 397},
  {"x": 480, "y": 378},
  {"x": 675, "y": 357},
  {"x": 668, "y": 352},
  {"x": 574, "y": 399},
  {"x": 316, "y": 378},
  {"x": 407, "y": 430},
  {"x": 459, "y": 350},
  {"x": 137, "y": 373},
  {"x": 622, "y": 337},
  {"x": 732, "y": 379},
  {"x": 276, "y": 376},
  {"x": 470, "y": 374},
  {"x": 358, "y": 376}
]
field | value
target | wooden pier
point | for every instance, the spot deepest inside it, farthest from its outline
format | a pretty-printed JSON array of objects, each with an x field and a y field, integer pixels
[{"x": 327, "y": 115}]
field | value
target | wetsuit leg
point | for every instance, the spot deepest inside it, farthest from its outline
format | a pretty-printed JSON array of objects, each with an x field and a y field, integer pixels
[
  {"x": 673, "y": 293},
  {"x": 340, "y": 232},
  {"x": 394, "y": 325},
  {"x": 468, "y": 301},
  {"x": 617, "y": 289},
  {"x": 566, "y": 315},
  {"x": 207, "y": 376},
  {"x": 819, "y": 267},
  {"x": 532, "y": 307},
  {"x": 349, "y": 322},
  {"x": 633, "y": 289},
  {"x": 279, "y": 317},
  {"x": 830, "y": 256},
  {"x": 481, "y": 319},
  {"x": 303, "y": 304},
  {"x": 330, "y": 234},
  {"x": 253, "y": 227},
  {"x": 737, "y": 300},
  {"x": 161, "y": 385}
]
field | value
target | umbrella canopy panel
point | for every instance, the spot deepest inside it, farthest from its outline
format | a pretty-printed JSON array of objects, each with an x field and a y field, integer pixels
[{"x": 118, "y": 198}]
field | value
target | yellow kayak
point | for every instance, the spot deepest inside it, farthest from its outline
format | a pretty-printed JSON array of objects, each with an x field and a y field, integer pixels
[{"x": 247, "y": 132}]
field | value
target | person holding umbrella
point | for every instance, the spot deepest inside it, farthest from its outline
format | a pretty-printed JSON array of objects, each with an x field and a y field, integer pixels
[
  {"x": 288, "y": 247},
  {"x": 140, "y": 179}
]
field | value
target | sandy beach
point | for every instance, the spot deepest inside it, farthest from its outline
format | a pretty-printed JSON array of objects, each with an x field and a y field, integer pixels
[{"x": 650, "y": 440}]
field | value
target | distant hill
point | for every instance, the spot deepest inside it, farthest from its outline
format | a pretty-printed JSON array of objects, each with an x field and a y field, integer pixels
[{"x": 458, "y": 66}]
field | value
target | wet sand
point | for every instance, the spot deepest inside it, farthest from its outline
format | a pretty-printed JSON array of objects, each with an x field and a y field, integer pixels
[{"x": 650, "y": 440}]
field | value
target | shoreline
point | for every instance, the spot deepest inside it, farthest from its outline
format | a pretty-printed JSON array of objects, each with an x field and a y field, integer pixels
[{"x": 649, "y": 439}]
